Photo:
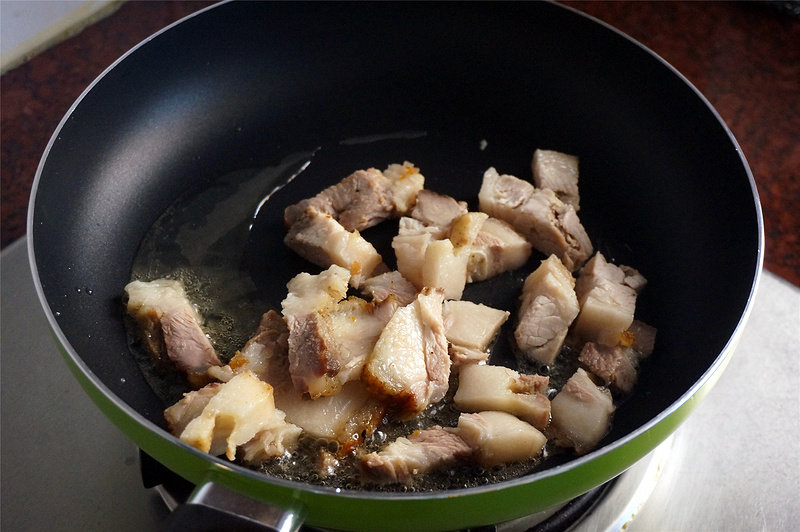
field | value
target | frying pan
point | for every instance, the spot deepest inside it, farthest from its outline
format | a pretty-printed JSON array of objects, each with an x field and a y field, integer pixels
[{"x": 453, "y": 88}]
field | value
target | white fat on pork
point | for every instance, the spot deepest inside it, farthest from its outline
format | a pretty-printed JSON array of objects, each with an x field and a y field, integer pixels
[
  {"x": 343, "y": 418},
  {"x": 558, "y": 172},
  {"x": 581, "y": 413},
  {"x": 169, "y": 325},
  {"x": 390, "y": 284},
  {"x": 499, "y": 438},
  {"x": 549, "y": 224},
  {"x": 487, "y": 387},
  {"x": 496, "y": 248},
  {"x": 409, "y": 366},
  {"x": 406, "y": 458},
  {"x": 364, "y": 198},
  {"x": 437, "y": 255},
  {"x": 330, "y": 337},
  {"x": 470, "y": 328},
  {"x": 321, "y": 240},
  {"x": 433, "y": 245},
  {"x": 607, "y": 296},
  {"x": 240, "y": 412},
  {"x": 548, "y": 307}
]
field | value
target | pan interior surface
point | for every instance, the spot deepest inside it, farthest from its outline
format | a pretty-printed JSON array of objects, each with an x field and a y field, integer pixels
[{"x": 249, "y": 86}]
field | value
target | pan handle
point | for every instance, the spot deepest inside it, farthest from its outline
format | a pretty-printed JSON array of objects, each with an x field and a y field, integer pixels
[{"x": 213, "y": 507}]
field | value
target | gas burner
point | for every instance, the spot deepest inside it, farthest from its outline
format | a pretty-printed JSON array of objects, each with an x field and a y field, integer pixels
[{"x": 611, "y": 506}]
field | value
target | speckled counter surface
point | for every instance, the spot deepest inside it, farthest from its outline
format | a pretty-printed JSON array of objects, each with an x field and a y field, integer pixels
[{"x": 744, "y": 57}]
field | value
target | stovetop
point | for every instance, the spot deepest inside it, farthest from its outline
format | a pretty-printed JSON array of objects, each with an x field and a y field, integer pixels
[{"x": 733, "y": 465}]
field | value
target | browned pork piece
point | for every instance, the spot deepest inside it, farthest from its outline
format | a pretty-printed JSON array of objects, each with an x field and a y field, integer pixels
[
  {"x": 444, "y": 245},
  {"x": 409, "y": 366},
  {"x": 549, "y": 224},
  {"x": 488, "y": 438},
  {"x": 343, "y": 418},
  {"x": 320, "y": 239},
  {"x": 496, "y": 248},
  {"x": 365, "y": 198},
  {"x": 390, "y": 284},
  {"x": 169, "y": 325},
  {"x": 617, "y": 366},
  {"x": 487, "y": 387},
  {"x": 238, "y": 414},
  {"x": 558, "y": 172},
  {"x": 500, "y": 438},
  {"x": 607, "y": 296},
  {"x": 330, "y": 337},
  {"x": 470, "y": 328},
  {"x": 548, "y": 307},
  {"x": 419, "y": 453},
  {"x": 581, "y": 413}
]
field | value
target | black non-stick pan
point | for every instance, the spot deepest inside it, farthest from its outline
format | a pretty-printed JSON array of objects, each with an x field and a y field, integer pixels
[{"x": 261, "y": 88}]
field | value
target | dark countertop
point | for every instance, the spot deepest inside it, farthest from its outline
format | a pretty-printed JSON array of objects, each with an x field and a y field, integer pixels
[{"x": 744, "y": 57}]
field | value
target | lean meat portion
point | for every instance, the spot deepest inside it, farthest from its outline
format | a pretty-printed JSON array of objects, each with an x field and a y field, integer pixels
[
  {"x": 390, "y": 284},
  {"x": 487, "y": 387},
  {"x": 364, "y": 198},
  {"x": 549, "y": 224},
  {"x": 581, "y": 413},
  {"x": 169, "y": 325},
  {"x": 607, "y": 296},
  {"x": 617, "y": 366},
  {"x": 321, "y": 240},
  {"x": 558, "y": 172},
  {"x": 240, "y": 412},
  {"x": 548, "y": 307},
  {"x": 409, "y": 367},
  {"x": 421, "y": 452}
]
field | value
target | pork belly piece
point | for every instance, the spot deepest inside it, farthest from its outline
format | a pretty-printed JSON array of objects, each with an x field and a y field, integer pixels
[
  {"x": 169, "y": 325},
  {"x": 496, "y": 248},
  {"x": 265, "y": 354},
  {"x": 390, "y": 284},
  {"x": 437, "y": 255},
  {"x": 421, "y": 452},
  {"x": 615, "y": 365},
  {"x": 607, "y": 296},
  {"x": 500, "y": 438},
  {"x": 581, "y": 413},
  {"x": 329, "y": 338},
  {"x": 320, "y": 239},
  {"x": 472, "y": 325},
  {"x": 548, "y": 307},
  {"x": 364, "y": 198},
  {"x": 487, "y": 387},
  {"x": 549, "y": 224},
  {"x": 409, "y": 249},
  {"x": 409, "y": 367},
  {"x": 445, "y": 266},
  {"x": 558, "y": 172},
  {"x": 343, "y": 418},
  {"x": 235, "y": 413},
  {"x": 641, "y": 337}
]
